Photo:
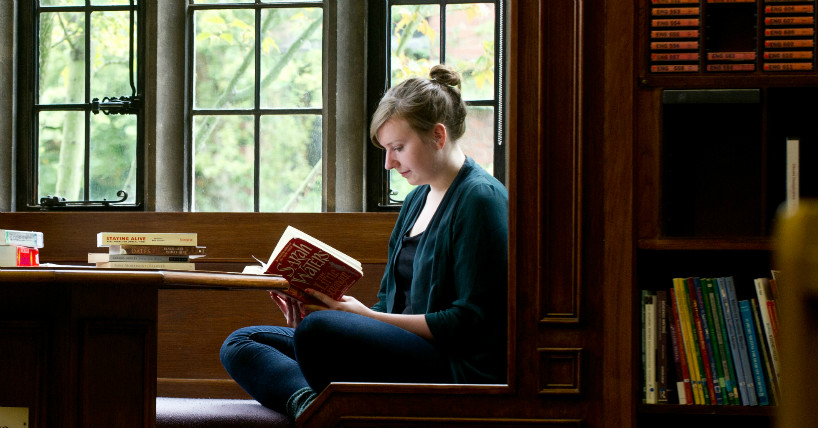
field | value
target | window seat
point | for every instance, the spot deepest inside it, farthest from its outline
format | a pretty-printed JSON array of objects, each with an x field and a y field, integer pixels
[{"x": 172, "y": 412}]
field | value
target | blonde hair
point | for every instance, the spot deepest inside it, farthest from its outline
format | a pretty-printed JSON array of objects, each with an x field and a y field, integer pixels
[{"x": 423, "y": 103}]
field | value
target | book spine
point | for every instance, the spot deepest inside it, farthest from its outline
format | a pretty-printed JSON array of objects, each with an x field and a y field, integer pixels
[
  {"x": 793, "y": 173},
  {"x": 752, "y": 351},
  {"x": 710, "y": 341},
  {"x": 105, "y": 239},
  {"x": 21, "y": 238},
  {"x": 764, "y": 352},
  {"x": 159, "y": 250},
  {"x": 762, "y": 296},
  {"x": 730, "y": 384},
  {"x": 662, "y": 369},
  {"x": 146, "y": 265},
  {"x": 707, "y": 375},
  {"x": 741, "y": 340},
  {"x": 767, "y": 365},
  {"x": 19, "y": 256},
  {"x": 650, "y": 349},
  {"x": 106, "y": 257},
  {"x": 684, "y": 388},
  {"x": 733, "y": 338},
  {"x": 689, "y": 341}
]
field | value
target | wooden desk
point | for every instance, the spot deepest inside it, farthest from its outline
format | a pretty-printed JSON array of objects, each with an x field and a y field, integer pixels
[{"x": 78, "y": 345}]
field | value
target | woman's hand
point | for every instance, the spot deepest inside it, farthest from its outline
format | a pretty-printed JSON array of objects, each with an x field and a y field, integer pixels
[
  {"x": 415, "y": 323},
  {"x": 293, "y": 310},
  {"x": 346, "y": 304}
]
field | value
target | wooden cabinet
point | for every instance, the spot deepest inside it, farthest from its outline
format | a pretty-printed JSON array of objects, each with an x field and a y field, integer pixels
[{"x": 710, "y": 151}]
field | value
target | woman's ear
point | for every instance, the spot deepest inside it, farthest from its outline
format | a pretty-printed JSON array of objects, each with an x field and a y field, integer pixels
[{"x": 439, "y": 135}]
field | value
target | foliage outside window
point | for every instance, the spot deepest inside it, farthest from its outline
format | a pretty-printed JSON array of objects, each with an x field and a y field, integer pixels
[
  {"x": 256, "y": 107},
  {"x": 463, "y": 35},
  {"x": 83, "y": 53}
]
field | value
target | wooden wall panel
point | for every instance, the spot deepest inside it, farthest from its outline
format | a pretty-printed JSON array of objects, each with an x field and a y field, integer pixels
[
  {"x": 560, "y": 205},
  {"x": 125, "y": 348},
  {"x": 23, "y": 352}
]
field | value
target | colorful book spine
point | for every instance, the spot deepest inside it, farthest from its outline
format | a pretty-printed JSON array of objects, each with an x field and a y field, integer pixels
[
  {"x": 732, "y": 335},
  {"x": 704, "y": 360},
  {"x": 688, "y": 333},
  {"x": 730, "y": 383},
  {"x": 710, "y": 341},
  {"x": 741, "y": 341},
  {"x": 19, "y": 256},
  {"x": 23, "y": 238},
  {"x": 766, "y": 363},
  {"x": 753, "y": 352}
]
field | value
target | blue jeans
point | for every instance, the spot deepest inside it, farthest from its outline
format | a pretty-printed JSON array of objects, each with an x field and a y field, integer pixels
[{"x": 271, "y": 362}]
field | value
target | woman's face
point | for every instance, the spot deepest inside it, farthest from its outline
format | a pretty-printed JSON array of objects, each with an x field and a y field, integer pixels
[{"x": 407, "y": 152}]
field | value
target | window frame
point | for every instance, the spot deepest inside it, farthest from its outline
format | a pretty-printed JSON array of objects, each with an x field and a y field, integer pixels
[
  {"x": 378, "y": 72},
  {"x": 256, "y": 111},
  {"x": 26, "y": 198}
]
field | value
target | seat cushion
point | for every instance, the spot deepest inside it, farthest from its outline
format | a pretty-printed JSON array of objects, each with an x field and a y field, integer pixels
[{"x": 213, "y": 412}]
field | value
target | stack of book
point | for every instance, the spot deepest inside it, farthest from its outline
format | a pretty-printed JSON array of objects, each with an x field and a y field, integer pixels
[
  {"x": 172, "y": 251},
  {"x": 704, "y": 346},
  {"x": 20, "y": 248}
]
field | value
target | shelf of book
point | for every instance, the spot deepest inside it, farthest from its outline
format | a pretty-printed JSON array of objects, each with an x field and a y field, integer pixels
[
  {"x": 677, "y": 409},
  {"x": 726, "y": 117}
]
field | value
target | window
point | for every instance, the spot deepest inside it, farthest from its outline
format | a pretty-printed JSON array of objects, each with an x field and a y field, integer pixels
[
  {"x": 83, "y": 133},
  {"x": 463, "y": 34},
  {"x": 255, "y": 106}
]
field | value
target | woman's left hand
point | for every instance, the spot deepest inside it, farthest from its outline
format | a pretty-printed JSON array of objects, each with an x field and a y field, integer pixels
[{"x": 346, "y": 304}]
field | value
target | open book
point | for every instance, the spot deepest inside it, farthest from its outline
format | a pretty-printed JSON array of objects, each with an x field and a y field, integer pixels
[{"x": 306, "y": 262}]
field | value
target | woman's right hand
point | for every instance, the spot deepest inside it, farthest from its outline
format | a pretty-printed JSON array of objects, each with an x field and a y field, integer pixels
[{"x": 292, "y": 309}]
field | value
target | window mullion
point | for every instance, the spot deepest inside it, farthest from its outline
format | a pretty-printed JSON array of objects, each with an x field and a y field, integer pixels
[
  {"x": 87, "y": 137},
  {"x": 257, "y": 115}
]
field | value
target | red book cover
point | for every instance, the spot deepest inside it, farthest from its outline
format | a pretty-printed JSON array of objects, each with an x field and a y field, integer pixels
[{"x": 307, "y": 263}]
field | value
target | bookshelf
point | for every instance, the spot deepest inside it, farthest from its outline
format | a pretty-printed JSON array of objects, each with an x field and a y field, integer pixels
[{"x": 721, "y": 86}]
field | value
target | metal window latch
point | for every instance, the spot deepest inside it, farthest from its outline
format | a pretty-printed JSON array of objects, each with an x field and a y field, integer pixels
[
  {"x": 116, "y": 105},
  {"x": 56, "y": 201}
]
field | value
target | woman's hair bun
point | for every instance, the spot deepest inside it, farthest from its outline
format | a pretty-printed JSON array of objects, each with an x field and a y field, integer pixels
[{"x": 446, "y": 75}]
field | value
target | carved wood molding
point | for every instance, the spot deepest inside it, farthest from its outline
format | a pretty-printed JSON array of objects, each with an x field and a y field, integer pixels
[{"x": 560, "y": 370}]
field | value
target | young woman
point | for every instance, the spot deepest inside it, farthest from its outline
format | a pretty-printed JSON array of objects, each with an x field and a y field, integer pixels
[{"x": 441, "y": 311}]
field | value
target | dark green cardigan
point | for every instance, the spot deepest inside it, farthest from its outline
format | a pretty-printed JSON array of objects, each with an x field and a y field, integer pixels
[{"x": 460, "y": 273}]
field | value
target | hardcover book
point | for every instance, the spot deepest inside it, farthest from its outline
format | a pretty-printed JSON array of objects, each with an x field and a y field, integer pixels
[
  {"x": 307, "y": 263},
  {"x": 105, "y": 239},
  {"x": 17, "y": 256},
  {"x": 159, "y": 250},
  {"x": 23, "y": 238}
]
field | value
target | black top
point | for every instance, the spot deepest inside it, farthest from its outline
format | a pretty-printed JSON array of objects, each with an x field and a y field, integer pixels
[{"x": 403, "y": 274}]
